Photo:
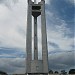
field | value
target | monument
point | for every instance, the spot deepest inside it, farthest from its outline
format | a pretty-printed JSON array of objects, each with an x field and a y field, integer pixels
[{"x": 36, "y": 66}]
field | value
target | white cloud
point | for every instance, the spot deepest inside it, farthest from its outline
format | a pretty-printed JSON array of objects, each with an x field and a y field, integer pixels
[
  {"x": 58, "y": 33},
  {"x": 13, "y": 65},
  {"x": 62, "y": 60},
  {"x": 11, "y": 23},
  {"x": 64, "y": 43},
  {"x": 13, "y": 27},
  {"x": 72, "y": 1},
  {"x": 4, "y": 12},
  {"x": 18, "y": 65}
]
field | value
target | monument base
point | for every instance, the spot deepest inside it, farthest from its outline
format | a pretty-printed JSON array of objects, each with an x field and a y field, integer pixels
[{"x": 38, "y": 74}]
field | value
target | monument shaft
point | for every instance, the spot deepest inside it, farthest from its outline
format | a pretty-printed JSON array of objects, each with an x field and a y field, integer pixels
[
  {"x": 29, "y": 39},
  {"x": 36, "y": 66}
]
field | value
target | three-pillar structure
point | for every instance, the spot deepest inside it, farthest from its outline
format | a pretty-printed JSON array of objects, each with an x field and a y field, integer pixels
[{"x": 36, "y": 66}]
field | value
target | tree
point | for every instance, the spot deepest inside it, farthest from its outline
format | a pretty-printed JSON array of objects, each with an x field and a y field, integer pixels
[
  {"x": 72, "y": 71},
  {"x": 3, "y": 73},
  {"x": 56, "y": 72},
  {"x": 63, "y": 72},
  {"x": 50, "y": 72}
]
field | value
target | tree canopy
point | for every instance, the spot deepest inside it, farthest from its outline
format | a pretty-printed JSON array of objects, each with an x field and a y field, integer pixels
[
  {"x": 72, "y": 71},
  {"x": 56, "y": 72},
  {"x": 50, "y": 72},
  {"x": 3, "y": 73}
]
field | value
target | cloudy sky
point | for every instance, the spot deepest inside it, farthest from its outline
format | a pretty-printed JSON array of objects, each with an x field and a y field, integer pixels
[{"x": 60, "y": 34}]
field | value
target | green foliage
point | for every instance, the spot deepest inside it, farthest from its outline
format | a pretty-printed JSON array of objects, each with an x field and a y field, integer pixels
[
  {"x": 56, "y": 72},
  {"x": 50, "y": 72},
  {"x": 3, "y": 73},
  {"x": 72, "y": 71}
]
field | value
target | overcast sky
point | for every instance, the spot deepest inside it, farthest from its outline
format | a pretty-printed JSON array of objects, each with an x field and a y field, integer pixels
[{"x": 60, "y": 34}]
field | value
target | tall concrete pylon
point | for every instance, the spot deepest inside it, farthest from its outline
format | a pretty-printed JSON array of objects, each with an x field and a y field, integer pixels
[
  {"x": 34, "y": 1},
  {"x": 36, "y": 66}
]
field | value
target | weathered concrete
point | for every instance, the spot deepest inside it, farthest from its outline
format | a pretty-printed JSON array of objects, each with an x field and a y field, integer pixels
[
  {"x": 36, "y": 67},
  {"x": 29, "y": 38},
  {"x": 61, "y": 74},
  {"x": 44, "y": 38},
  {"x": 43, "y": 74}
]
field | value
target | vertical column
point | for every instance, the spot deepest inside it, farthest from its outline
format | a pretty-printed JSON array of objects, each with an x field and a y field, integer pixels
[
  {"x": 35, "y": 39},
  {"x": 44, "y": 38},
  {"x": 35, "y": 1},
  {"x": 29, "y": 38}
]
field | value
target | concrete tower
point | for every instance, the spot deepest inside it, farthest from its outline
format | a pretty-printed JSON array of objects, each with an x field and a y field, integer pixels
[{"x": 36, "y": 66}]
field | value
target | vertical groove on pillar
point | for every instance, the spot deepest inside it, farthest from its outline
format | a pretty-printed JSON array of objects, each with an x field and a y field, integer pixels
[{"x": 35, "y": 39}]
